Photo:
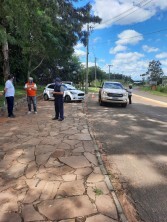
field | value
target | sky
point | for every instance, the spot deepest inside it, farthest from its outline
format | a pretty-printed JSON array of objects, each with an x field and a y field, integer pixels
[{"x": 131, "y": 34}]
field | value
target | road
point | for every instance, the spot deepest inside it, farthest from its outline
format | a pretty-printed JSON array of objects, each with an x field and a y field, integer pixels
[{"x": 134, "y": 140}]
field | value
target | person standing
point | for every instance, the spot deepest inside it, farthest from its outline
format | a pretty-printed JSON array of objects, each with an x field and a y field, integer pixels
[
  {"x": 9, "y": 95},
  {"x": 31, "y": 89},
  {"x": 130, "y": 94},
  {"x": 59, "y": 101}
]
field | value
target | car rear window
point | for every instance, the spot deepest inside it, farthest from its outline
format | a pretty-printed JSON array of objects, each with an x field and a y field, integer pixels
[
  {"x": 51, "y": 86},
  {"x": 112, "y": 86}
]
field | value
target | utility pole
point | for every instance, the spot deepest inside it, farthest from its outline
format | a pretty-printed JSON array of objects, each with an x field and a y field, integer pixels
[
  {"x": 109, "y": 70},
  {"x": 87, "y": 57},
  {"x": 95, "y": 72}
]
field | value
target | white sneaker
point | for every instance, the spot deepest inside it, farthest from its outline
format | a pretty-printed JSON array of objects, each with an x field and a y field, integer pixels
[
  {"x": 29, "y": 112},
  {"x": 35, "y": 112}
]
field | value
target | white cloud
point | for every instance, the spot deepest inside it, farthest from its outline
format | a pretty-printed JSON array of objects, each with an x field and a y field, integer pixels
[
  {"x": 79, "y": 52},
  {"x": 147, "y": 48},
  {"x": 164, "y": 62},
  {"x": 118, "y": 48},
  {"x": 125, "y": 12},
  {"x": 95, "y": 40},
  {"x": 161, "y": 55},
  {"x": 130, "y": 37},
  {"x": 90, "y": 64}
]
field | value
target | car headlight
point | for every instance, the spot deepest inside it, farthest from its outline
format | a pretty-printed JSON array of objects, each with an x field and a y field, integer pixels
[
  {"x": 104, "y": 93},
  {"x": 74, "y": 93}
]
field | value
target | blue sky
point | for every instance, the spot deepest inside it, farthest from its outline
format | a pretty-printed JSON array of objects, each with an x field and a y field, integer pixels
[{"x": 131, "y": 34}]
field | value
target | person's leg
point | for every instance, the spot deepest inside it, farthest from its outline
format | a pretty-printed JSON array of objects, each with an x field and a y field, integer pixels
[
  {"x": 29, "y": 103},
  {"x": 10, "y": 105},
  {"x": 129, "y": 99},
  {"x": 56, "y": 108},
  {"x": 34, "y": 101},
  {"x": 61, "y": 108}
]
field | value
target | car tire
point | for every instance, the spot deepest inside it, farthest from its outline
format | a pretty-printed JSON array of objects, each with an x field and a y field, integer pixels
[
  {"x": 45, "y": 97},
  {"x": 124, "y": 105},
  {"x": 67, "y": 99}
]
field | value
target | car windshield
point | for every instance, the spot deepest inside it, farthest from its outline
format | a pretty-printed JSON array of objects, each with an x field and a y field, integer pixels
[
  {"x": 112, "y": 86},
  {"x": 69, "y": 87}
]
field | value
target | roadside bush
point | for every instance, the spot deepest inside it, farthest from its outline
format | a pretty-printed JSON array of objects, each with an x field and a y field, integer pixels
[{"x": 162, "y": 89}]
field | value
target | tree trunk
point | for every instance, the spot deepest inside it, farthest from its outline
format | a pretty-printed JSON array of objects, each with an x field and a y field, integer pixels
[
  {"x": 6, "y": 67},
  {"x": 29, "y": 67}
]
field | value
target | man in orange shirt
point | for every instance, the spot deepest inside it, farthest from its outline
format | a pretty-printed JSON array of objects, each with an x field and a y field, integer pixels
[{"x": 31, "y": 89}]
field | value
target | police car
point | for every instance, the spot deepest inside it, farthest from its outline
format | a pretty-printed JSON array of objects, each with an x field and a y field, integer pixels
[{"x": 70, "y": 93}]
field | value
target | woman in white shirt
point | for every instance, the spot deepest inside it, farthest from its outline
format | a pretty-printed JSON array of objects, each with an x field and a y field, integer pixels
[{"x": 130, "y": 94}]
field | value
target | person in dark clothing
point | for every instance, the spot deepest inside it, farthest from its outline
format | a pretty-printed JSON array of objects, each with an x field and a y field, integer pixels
[
  {"x": 59, "y": 100},
  {"x": 130, "y": 94}
]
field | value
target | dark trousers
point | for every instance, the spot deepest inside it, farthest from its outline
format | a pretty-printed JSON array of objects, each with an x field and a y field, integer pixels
[
  {"x": 59, "y": 108},
  {"x": 33, "y": 100},
  {"x": 10, "y": 105},
  {"x": 130, "y": 99}
]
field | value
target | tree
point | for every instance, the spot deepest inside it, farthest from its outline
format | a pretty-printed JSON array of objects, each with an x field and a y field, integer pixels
[
  {"x": 44, "y": 32},
  {"x": 154, "y": 72}
]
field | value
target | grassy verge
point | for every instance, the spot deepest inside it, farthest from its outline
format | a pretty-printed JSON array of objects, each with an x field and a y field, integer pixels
[
  {"x": 93, "y": 89},
  {"x": 160, "y": 91},
  {"x": 20, "y": 93}
]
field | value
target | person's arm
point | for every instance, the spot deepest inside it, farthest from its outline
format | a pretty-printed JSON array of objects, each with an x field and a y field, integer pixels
[{"x": 34, "y": 87}]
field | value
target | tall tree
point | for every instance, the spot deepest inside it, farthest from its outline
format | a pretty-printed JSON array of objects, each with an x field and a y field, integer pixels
[{"x": 155, "y": 71}]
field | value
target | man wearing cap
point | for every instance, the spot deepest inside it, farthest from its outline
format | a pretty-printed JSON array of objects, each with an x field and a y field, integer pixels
[
  {"x": 31, "y": 89},
  {"x": 9, "y": 95},
  {"x": 58, "y": 94}
]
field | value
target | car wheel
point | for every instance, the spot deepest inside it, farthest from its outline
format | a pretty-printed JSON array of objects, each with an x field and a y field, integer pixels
[
  {"x": 67, "y": 98},
  {"x": 46, "y": 97},
  {"x": 100, "y": 102},
  {"x": 124, "y": 105}
]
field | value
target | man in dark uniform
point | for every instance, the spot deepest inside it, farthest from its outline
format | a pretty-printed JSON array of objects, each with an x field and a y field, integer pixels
[{"x": 58, "y": 94}]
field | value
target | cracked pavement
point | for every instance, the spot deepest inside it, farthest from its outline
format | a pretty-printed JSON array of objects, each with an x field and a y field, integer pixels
[{"x": 49, "y": 170}]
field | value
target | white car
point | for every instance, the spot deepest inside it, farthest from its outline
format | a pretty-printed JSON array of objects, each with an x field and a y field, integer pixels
[
  {"x": 113, "y": 92},
  {"x": 70, "y": 93}
]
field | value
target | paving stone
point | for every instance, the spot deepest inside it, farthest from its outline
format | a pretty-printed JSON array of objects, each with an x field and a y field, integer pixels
[
  {"x": 91, "y": 194},
  {"x": 94, "y": 178},
  {"x": 31, "y": 170},
  {"x": 10, "y": 217},
  {"x": 53, "y": 162},
  {"x": 30, "y": 214},
  {"x": 69, "y": 177},
  {"x": 106, "y": 206},
  {"x": 71, "y": 142},
  {"x": 63, "y": 146},
  {"x": 61, "y": 209},
  {"x": 50, "y": 141},
  {"x": 89, "y": 146},
  {"x": 72, "y": 188},
  {"x": 74, "y": 162},
  {"x": 42, "y": 149},
  {"x": 80, "y": 137},
  {"x": 59, "y": 171},
  {"x": 97, "y": 170},
  {"x": 5, "y": 200},
  {"x": 70, "y": 220},
  {"x": 58, "y": 153},
  {"x": 99, "y": 218},
  {"x": 92, "y": 158},
  {"x": 16, "y": 170},
  {"x": 32, "y": 141},
  {"x": 71, "y": 131},
  {"x": 79, "y": 149},
  {"x": 42, "y": 158},
  {"x": 103, "y": 187},
  {"x": 84, "y": 171},
  {"x": 50, "y": 190}
]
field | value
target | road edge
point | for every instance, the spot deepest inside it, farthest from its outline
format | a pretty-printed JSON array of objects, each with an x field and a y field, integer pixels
[{"x": 103, "y": 169}]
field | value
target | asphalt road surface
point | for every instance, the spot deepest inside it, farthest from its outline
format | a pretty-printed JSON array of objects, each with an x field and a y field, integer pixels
[{"x": 135, "y": 141}]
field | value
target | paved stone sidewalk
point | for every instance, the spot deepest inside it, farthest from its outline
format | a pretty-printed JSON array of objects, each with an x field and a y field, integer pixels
[{"x": 49, "y": 171}]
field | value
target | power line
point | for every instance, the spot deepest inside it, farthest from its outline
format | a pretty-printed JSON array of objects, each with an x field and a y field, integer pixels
[
  {"x": 149, "y": 33},
  {"x": 125, "y": 13}
]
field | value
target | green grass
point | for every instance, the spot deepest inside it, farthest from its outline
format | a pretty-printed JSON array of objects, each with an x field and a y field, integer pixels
[
  {"x": 20, "y": 93},
  {"x": 93, "y": 89},
  {"x": 161, "y": 91},
  {"x": 97, "y": 191}
]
